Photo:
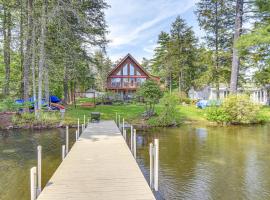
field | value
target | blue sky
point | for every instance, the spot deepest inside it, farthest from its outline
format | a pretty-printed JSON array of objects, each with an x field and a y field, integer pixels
[{"x": 134, "y": 25}]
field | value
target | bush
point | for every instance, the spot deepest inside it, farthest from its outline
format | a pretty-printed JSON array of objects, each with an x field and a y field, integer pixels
[
  {"x": 151, "y": 93},
  {"x": 236, "y": 109},
  {"x": 168, "y": 115},
  {"x": 217, "y": 114}
]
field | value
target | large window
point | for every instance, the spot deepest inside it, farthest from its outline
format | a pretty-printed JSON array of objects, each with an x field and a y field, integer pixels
[
  {"x": 116, "y": 82},
  {"x": 125, "y": 70},
  {"x": 125, "y": 82},
  {"x": 138, "y": 73},
  {"x": 119, "y": 73},
  {"x": 140, "y": 81},
  {"x": 131, "y": 70}
]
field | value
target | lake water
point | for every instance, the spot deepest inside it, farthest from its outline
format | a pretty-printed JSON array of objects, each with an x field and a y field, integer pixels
[
  {"x": 196, "y": 162},
  {"x": 18, "y": 155}
]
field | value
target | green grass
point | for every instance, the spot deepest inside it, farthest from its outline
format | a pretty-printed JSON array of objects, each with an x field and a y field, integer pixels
[{"x": 131, "y": 112}]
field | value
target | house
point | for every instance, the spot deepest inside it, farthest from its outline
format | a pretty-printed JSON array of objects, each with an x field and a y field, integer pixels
[
  {"x": 257, "y": 94},
  {"x": 127, "y": 76}
]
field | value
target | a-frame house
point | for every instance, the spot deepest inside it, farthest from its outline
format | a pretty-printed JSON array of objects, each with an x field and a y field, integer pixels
[{"x": 127, "y": 76}]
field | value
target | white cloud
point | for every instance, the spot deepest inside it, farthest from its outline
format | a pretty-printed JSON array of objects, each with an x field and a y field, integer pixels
[{"x": 134, "y": 22}]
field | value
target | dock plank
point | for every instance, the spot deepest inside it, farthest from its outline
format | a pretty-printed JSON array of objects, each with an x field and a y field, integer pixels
[{"x": 99, "y": 166}]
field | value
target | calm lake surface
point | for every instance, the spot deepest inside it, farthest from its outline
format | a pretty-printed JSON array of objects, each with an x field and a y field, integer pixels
[
  {"x": 18, "y": 155},
  {"x": 196, "y": 162}
]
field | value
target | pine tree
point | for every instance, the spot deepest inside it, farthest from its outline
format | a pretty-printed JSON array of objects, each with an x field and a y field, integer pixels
[{"x": 216, "y": 18}]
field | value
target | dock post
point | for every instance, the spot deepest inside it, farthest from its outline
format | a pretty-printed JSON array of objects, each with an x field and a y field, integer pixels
[
  {"x": 134, "y": 144},
  {"x": 131, "y": 138},
  {"x": 63, "y": 152},
  {"x": 123, "y": 128},
  {"x": 39, "y": 158},
  {"x": 125, "y": 135},
  {"x": 151, "y": 165},
  {"x": 78, "y": 126},
  {"x": 119, "y": 121},
  {"x": 77, "y": 137},
  {"x": 156, "y": 163},
  {"x": 67, "y": 137},
  {"x": 33, "y": 183}
]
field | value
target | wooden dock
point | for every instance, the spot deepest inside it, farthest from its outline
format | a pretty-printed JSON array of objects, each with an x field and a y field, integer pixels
[{"x": 99, "y": 166}]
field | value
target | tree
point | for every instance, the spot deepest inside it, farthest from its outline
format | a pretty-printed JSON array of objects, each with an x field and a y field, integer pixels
[
  {"x": 215, "y": 17},
  {"x": 101, "y": 66},
  {"x": 7, "y": 26},
  {"x": 235, "y": 56},
  {"x": 151, "y": 93},
  {"x": 256, "y": 46},
  {"x": 183, "y": 44},
  {"x": 161, "y": 64}
]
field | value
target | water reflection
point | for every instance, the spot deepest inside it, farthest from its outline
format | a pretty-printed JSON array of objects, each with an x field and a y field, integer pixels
[
  {"x": 211, "y": 162},
  {"x": 18, "y": 155}
]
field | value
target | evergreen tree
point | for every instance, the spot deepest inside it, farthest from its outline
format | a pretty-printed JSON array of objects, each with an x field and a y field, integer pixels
[{"x": 216, "y": 18}]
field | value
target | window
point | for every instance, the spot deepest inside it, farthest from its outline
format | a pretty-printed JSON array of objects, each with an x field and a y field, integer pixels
[
  {"x": 140, "y": 81},
  {"x": 131, "y": 70},
  {"x": 125, "y": 81},
  {"x": 138, "y": 73},
  {"x": 125, "y": 70},
  {"x": 132, "y": 81},
  {"x": 116, "y": 82},
  {"x": 119, "y": 73}
]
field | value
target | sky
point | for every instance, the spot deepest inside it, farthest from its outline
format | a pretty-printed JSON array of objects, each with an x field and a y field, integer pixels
[{"x": 134, "y": 25}]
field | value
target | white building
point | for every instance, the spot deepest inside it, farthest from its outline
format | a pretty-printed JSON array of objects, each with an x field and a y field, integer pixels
[{"x": 258, "y": 95}]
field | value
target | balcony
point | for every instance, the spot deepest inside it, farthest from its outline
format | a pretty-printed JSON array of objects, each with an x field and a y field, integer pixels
[{"x": 123, "y": 85}]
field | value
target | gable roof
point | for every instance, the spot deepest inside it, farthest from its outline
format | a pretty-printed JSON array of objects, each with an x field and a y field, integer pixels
[{"x": 123, "y": 60}]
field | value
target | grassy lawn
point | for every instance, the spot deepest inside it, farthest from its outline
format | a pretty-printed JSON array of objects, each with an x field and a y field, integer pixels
[{"x": 131, "y": 112}]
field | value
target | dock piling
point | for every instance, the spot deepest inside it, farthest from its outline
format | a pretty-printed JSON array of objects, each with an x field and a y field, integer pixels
[
  {"x": 131, "y": 138},
  {"x": 67, "y": 139},
  {"x": 156, "y": 163},
  {"x": 39, "y": 164},
  {"x": 134, "y": 144},
  {"x": 125, "y": 135},
  {"x": 151, "y": 165},
  {"x": 123, "y": 126},
  {"x": 33, "y": 183},
  {"x": 78, "y": 126},
  {"x": 77, "y": 137},
  {"x": 63, "y": 152}
]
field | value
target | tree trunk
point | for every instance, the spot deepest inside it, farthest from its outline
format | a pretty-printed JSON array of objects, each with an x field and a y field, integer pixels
[
  {"x": 42, "y": 53},
  {"x": 33, "y": 67},
  {"x": 46, "y": 83},
  {"x": 21, "y": 45},
  {"x": 216, "y": 51},
  {"x": 65, "y": 82},
  {"x": 235, "y": 57},
  {"x": 27, "y": 60},
  {"x": 7, "y": 49}
]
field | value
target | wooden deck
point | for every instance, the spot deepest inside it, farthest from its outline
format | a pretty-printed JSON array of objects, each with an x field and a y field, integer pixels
[{"x": 99, "y": 166}]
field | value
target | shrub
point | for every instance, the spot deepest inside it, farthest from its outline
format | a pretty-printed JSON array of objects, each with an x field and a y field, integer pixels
[
  {"x": 168, "y": 115},
  {"x": 151, "y": 93},
  {"x": 236, "y": 109},
  {"x": 217, "y": 114}
]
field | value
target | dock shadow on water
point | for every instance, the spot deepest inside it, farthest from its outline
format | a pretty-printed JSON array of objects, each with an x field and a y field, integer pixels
[
  {"x": 18, "y": 153},
  {"x": 198, "y": 162}
]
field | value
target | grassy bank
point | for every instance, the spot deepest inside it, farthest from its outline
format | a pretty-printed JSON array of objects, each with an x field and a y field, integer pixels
[{"x": 131, "y": 112}]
